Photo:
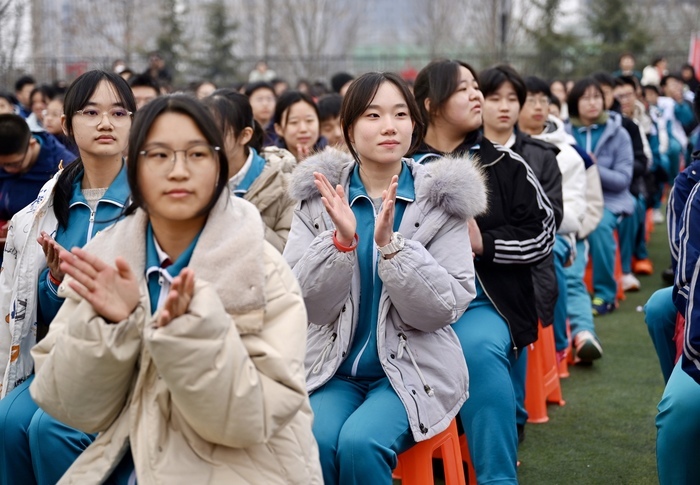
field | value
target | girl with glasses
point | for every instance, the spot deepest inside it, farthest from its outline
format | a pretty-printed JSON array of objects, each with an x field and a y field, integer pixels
[
  {"x": 601, "y": 134},
  {"x": 181, "y": 339},
  {"x": 71, "y": 208}
]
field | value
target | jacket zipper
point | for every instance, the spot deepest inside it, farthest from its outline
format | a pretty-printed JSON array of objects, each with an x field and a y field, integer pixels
[
  {"x": 321, "y": 359},
  {"x": 91, "y": 224},
  {"x": 403, "y": 345},
  {"x": 510, "y": 330}
]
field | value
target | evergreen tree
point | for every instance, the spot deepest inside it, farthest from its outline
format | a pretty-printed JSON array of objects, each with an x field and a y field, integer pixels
[
  {"x": 556, "y": 52},
  {"x": 170, "y": 43},
  {"x": 219, "y": 63},
  {"x": 619, "y": 27}
]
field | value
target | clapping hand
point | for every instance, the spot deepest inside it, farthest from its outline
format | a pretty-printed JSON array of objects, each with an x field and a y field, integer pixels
[
  {"x": 338, "y": 209},
  {"x": 384, "y": 226},
  {"x": 51, "y": 250},
  {"x": 112, "y": 291},
  {"x": 178, "y": 299}
]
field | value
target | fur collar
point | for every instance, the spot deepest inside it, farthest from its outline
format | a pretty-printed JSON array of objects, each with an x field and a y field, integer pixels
[
  {"x": 228, "y": 255},
  {"x": 454, "y": 184}
]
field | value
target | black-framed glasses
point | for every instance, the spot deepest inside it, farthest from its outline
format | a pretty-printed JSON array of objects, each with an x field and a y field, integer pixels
[
  {"x": 16, "y": 164},
  {"x": 163, "y": 159},
  {"x": 116, "y": 116}
]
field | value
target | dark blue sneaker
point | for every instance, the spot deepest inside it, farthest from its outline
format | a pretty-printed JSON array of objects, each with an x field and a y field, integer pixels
[{"x": 601, "y": 307}]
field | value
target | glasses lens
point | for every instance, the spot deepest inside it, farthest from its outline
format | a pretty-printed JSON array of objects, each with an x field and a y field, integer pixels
[{"x": 117, "y": 116}]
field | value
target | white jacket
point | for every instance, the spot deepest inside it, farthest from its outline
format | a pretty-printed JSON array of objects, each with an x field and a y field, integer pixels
[
  {"x": 23, "y": 262},
  {"x": 573, "y": 175}
]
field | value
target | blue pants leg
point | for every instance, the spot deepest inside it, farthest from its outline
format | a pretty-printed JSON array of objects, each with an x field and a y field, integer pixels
[
  {"x": 361, "y": 426},
  {"x": 562, "y": 252},
  {"x": 640, "y": 244},
  {"x": 488, "y": 416},
  {"x": 627, "y": 236},
  {"x": 660, "y": 317},
  {"x": 54, "y": 446},
  {"x": 518, "y": 374},
  {"x": 602, "y": 244},
  {"x": 578, "y": 302},
  {"x": 678, "y": 430},
  {"x": 16, "y": 412}
]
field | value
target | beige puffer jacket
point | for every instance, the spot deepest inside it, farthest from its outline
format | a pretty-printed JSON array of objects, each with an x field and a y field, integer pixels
[
  {"x": 269, "y": 194},
  {"x": 218, "y": 395}
]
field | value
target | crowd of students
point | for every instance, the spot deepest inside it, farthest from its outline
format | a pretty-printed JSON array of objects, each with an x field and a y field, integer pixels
[{"x": 255, "y": 284}]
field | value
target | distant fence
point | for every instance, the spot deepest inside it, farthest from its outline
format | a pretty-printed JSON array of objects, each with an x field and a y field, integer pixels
[{"x": 558, "y": 64}]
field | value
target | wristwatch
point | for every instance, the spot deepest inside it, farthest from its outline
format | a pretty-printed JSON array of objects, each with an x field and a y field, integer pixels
[{"x": 395, "y": 245}]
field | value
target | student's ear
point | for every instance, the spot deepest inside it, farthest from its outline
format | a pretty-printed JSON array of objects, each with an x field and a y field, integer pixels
[
  {"x": 245, "y": 136},
  {"x": 279, "y": 130},
  {"x": 426, "y": 104},
  {"x": 63, "y": 125},
  {"x": 351, "y": 135}
]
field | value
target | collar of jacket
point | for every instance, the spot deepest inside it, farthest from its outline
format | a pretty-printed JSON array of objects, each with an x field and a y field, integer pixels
[
  {"x": 117, "y": 192},
  {"x": 454, "y": 184},
  {"x": 239, "y": 280},
  {"x": 405, "y": 191},
  {"x": 523, "y": 139},
  {"x": 578, "y": 124}
]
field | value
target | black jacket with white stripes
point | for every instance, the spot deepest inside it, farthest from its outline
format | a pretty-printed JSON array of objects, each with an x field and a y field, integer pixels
[{"x": 517, "y": 230}]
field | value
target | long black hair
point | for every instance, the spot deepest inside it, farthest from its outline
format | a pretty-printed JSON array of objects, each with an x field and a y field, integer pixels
[
  {"x": 76, "y": 98},
  {"x": 186, "y": 105},
  {"x": 233, "y": 112}
]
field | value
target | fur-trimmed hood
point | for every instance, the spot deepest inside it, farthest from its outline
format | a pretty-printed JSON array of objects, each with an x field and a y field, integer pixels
[{"x": 455, "y": 184}]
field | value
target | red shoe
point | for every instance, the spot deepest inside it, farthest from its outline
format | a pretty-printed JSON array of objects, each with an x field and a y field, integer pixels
[{"x": 643, "y": 266}]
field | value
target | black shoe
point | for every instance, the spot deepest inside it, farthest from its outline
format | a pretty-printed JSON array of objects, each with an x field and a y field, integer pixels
[{"x": 667, "y": 276}]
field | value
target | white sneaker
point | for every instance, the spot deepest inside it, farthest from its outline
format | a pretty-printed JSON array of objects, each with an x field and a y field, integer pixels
[
  {"x": 657, "y": 216},
  {"x": 630, "y": 282},
  {"x": 587, "y": 347}
]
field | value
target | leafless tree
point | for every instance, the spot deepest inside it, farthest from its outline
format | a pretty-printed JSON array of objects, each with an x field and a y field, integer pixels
[
  {"x": 11, "y": 15},
  {"x": 314, "y": 29},
  {"x": 443, "y": 26},
  {"x": 670, "y": 23}
]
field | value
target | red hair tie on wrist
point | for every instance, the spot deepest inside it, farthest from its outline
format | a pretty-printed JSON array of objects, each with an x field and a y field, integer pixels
[{"x": 345, "y": 249}]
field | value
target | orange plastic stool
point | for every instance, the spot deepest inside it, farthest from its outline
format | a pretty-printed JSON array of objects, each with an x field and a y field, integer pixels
[
  {"x": 415, "y": 465},
  {"x": 649, "y": 224},
  {"x": 467, "y": 458},
  {"x": 588, "y": 275},
  {"x": 542, "y": 383}
]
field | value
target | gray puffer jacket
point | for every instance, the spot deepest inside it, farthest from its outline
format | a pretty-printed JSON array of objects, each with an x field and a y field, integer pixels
[{"x": 426, "y": 286}]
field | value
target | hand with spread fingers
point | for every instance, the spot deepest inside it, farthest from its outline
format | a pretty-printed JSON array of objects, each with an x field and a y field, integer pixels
[
  {"x": 179, "y": 298},
  {"x": 384, "y": 227},
  {"x": 52, "y": 250},
  {"x": 112, "y": 291},
  {"x": 338, "y": 209}
]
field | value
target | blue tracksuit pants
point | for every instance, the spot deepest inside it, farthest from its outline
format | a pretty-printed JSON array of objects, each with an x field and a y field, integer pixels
[
  {"x": 678, "y": 430},
  {"x": 361, "y": 427},
  {"x": 34, "y": 447},
  {"x": 578, "y": 302},
  {"x": 660, "y": 317},
  {"x": 488, "y": 416},
  {"x": 603, "y": 247}
]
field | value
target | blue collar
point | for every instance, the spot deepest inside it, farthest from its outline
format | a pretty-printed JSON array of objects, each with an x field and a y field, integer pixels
[
  {"x": 118, "y": 191},
  {"x": 154, "y": 261},
  {"x": 405, "y": 191},
  {"x": 257, "y": 165}
]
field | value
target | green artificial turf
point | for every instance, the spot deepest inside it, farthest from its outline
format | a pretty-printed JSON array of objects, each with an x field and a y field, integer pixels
[{"x": 605, "y": 434}]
